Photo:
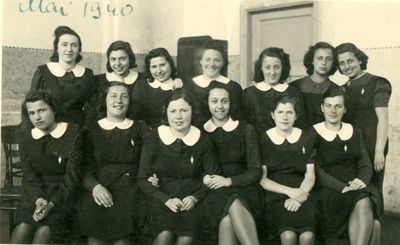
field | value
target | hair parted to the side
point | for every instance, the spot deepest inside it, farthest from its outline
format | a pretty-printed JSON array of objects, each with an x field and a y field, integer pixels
[
  {"x": 121, "y": 45},
  {"x": 102, "y": 106},
  {"x": 159, "y": 52},
  {"x": 211, "y": 45},
  {"x": 351, "y": 47},
  {"x": 176, "y": 95},
  {"x": 58, "y": 32},
  {"x": 309, "y": 57},
  {"x": 272, "y": 52}
]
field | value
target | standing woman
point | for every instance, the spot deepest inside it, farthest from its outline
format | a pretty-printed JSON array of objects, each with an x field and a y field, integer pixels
[
  {"x": 69, "y": 82},
  {"x": 179, "y": 155},
  {"x": 213, "y": 62},
  {"x": 149, "y": 96},
  {"x": 320, "y": 62},
  {"x": 368, "y": 107},
  {"x": 344, "y": 170},
  {"x": 239, "y": 155},
  {"x": 112, "y": 151},
  {"x": 289, "y": 175},
  {"x": 270, "y": 73},
  {"x": 51, "y": 154}
]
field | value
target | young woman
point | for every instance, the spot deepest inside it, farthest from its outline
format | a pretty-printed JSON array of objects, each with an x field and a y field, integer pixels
[
  {"x": 149, "y": 96},
  {"x": 51, "y": 155},
  {"x": 368, "y": 101},
  {"x": 69, "y": 82},
  {"x": 113, "y": 144},
  {"x": 179, "y": 155},
  {"x": 288, "y": 175},
  {"x": 320, "y": 62},
  {"x": 213, "y": 62},
  {"x": 270, "y": 73},
  {"x": 239, "y": 154},
  {"x": 344, "y": 171}
]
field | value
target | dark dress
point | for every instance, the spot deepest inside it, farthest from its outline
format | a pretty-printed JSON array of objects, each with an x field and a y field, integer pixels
[
  {"x": 51, "y": 171},
  {"x": 72, "y": 89},
  {"x": 341, "y": 157},
  {"x": 365, "y": 94},
  {"x": 286, "y": 160},
  {"x": 257, "y": 104},
  {"x": 313, "y": 98},
  {"x": 112, "y": 154},
  {"x": 198, "y": 89},
  {"x": 180, "y": 165}
]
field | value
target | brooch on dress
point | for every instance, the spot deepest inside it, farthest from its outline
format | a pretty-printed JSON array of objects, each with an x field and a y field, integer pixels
[
  {"x": 59, "y": 160},
  {"x": 132, "y": 142},
  {"x": 345, "y": 148},
  {"x": 191, "y": 159},
  {"x": 362, "y": 91},
  {"x": 303, "y": 150}
]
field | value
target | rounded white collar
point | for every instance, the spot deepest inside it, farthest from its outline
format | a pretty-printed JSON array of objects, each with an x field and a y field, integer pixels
[
  {"x": 278, "y": 139},
  {"x": 129, "y": 79},
  {"x": 168, "y": 138},
  {"x": 166, "y": 85},
  {"x": 229, "y": 126},
  {"x": 263, "y": 86},
  {"x": 109, "y": 125},
  {"x": 344, "y": 133},
  {"x": 56, "y": 133},
  {"x": 204, "y": 82},
  {"x": 56, "y": 69}
]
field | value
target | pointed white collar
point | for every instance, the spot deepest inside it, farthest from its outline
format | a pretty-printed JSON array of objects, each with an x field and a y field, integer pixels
[
  {"x": 204, "y": 82},
  {"x": 166, "y": 85},
  {"x": 229, "y": 126},
  {"x": 344, "y": 133},
  {"x": 263, "y": 86},
  {"x": 108, "y": 125},
  {"x": 56, "y": 69},
  {"x": 278, "y": 139},
  {"x": 168, "y": 138},
  {"x": 56, "y": 133},
  {"x": 129, "y": 79}
]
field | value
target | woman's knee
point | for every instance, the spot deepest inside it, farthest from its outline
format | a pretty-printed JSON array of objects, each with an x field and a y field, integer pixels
[
  {"x": 364, "y": 205},
  {"x": 164, "y": 237},
  {"x": 184, "y": 240},
  {"x": 288, "y": 237},
  {"x": 307, "y": 237},
  {"x": 22, "y": 233}
]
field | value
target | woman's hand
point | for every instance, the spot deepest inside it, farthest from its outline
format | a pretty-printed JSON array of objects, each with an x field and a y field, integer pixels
[
  {"x": 188, "y": 203},
  {"x": 177, "y": 84},
  {"x": 153, "y": 180},
  {"x": 102, "y": 196},
  {"x": 174, "y": 204},
  {"x": 346, "y": 189},
  {"x": 218, "y": 181},
  {"x": 379, "y": 161},
  {"x": 292, "y": 205},
  {"x": 42, "y": 209},
  {"x": 356, "y": 184},
  {"x": 297, "y": 194},
  {"x": 207, "y": 180}
]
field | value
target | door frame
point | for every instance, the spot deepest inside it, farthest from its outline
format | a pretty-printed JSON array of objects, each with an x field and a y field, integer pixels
[{"x": 246, "y": 12}]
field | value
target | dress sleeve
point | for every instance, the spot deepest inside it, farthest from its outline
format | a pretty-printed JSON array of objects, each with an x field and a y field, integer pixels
[
  {"x": 382, "y": 93},
  {"x": 37, "y": 81},
  {"x": 137, "y": 98},
  {"x": 326, "y": 179},
  {"x": 89, "y": 164},
  {"x": 248, "y": 108},
  {"x": 253, "y": 173},
  {"x": 301, "y": 117},
  {"x": 364, "y": 163},
  {"x": 236, "y": 101}
]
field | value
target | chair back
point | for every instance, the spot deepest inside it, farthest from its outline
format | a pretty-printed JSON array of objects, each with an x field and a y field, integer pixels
[{"x": 9, "y": 139}]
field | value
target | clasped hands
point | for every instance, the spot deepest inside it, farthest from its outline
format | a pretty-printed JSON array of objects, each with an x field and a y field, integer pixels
[
  {"x": 43, "y": 207},
  {"x": 177, "y": 205},
  {"x": 296, "y": 197}
]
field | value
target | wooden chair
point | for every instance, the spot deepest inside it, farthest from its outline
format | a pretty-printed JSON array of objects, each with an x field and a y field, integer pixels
[{"x": 9, "y": 138}]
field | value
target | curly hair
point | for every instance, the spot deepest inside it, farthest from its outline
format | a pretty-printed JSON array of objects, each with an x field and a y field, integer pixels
[
  {"x": 58, "y": 32},
  {"x": 309, "y": 57},
  {"x": 350, "y": 47},
  {"x": 272, "y": 52},
  {"x": 176, "y": 95},
  {"x": 102, "y": 105},
  {"x": 159, "y": 52},
  {"x": 121, "y": 45}
]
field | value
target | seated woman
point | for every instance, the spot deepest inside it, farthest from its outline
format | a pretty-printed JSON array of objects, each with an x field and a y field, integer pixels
[
  {"x": 288, "y": 175},
  {"x": 179, "y": 155},
  {"x": 51, "y": 155},
  {"x": 113, "y": 145},
  {"x": 239, "y": 155},
  {"x": 344, "y": 171}
]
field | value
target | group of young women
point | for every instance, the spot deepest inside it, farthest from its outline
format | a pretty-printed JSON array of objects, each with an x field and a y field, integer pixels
[{"x": 129, "y": 153}]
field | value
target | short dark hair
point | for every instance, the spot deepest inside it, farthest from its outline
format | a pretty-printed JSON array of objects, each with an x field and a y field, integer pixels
[
  {"x": 176, "y": 95},
  {"x": 351, "y": 47},
  {"x": 309, "y": 57},
  {"x": 159, "y": 52},
  {"x": 102, "y": 106},
  {"x": 214, "y": 46},
  {"x": 285, "y": 99},
  {"x": 58, "y": 32},
  {"x": 334, "y": 91},
  {"x": 121, "y": 45},
  {"x": 218, "y": 85},
  {"x": 272, "y": 52}
]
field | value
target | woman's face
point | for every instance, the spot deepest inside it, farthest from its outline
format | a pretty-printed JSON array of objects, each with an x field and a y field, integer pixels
[
  {"x": 119, "y": 62},
  {"x": 179, "y": 114},
  {"x": 117, "y": 102},
  {"x": 323, "y": 61},
  {"x": 212, "y": 63},
  {"x": 160, "y": 68},
  {"x": 41, "y": 115},
  {"x": 68, "y": 48},
  {"x": 272, "y": 69},
  {"x": 218, "y": 104},
  {"x": 284, "y": 116},
  {"x": 349, "y": 65},
  {"x": 333, "y": 109}
]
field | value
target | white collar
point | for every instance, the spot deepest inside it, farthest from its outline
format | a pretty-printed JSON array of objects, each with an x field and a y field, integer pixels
[
  {"x": 204, "y": 82},
  {"x": 56, "y": 133},
  {"x": 278, "y": 139},
  {"x": 344, "y": 133},
  {"x": 229, "y": 126},
  {"x": 129, "y": 79},
  {"x": 56, "y": 69},
  {"x": 263, "y": 86},
  {"x": 108, "y": 125},
  {"x": 166, "y": 85},
  {"x": 168, "y": 138}
]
